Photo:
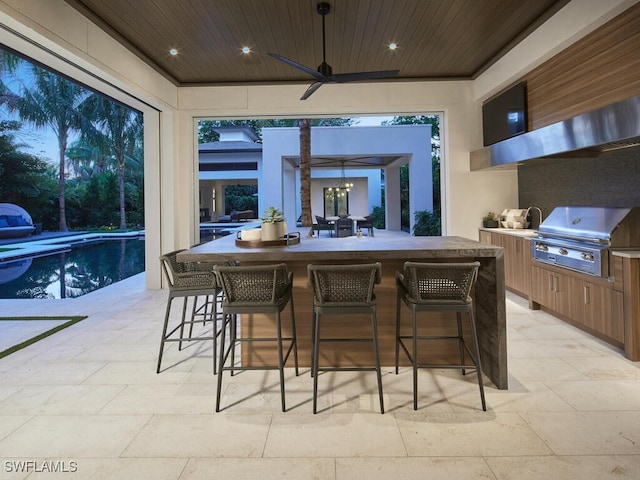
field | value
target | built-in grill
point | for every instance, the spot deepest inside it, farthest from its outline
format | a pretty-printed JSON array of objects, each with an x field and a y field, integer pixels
[{"x": 581, "y": 238}]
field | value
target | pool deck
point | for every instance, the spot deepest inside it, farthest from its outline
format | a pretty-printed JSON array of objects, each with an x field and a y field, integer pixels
[{"x": 51, "y": 242}]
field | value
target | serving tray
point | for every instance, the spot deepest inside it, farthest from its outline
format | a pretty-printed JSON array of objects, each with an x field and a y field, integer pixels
[{"x": 288, "y": 239}]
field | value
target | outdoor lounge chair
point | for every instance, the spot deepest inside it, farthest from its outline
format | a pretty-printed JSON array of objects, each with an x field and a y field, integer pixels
[{"x": 15, "y": 222}]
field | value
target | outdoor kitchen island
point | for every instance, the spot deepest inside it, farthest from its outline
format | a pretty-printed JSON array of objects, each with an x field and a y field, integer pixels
[{"x": 392, "y": 250}]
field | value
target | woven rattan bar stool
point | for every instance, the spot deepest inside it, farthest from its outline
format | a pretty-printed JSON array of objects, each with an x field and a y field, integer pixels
[
  {"x": 256, "y": 289},
  {"x": 195, "y": 281},
  {"x": 343, "y": 290},
  {"x": 438, "y": 287}
]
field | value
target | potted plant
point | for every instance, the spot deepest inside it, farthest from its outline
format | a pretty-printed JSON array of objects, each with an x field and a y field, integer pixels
[
  {"x": 273, "y": 225},
  {"x": 491, "y": 220}
]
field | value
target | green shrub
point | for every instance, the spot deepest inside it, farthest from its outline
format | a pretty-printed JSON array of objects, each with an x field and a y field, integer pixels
[{"x": 427, "y": 224}]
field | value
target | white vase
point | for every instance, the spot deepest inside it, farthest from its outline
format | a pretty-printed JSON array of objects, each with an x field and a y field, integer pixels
[{"x": 272, "y": 231}]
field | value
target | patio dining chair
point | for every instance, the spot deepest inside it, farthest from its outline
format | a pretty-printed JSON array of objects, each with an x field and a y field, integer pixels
[
  {"x": 323, "y": 224},
  {"x": 367, "y": 224}
]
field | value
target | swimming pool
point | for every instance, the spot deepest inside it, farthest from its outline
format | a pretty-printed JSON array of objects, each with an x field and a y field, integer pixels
[{"x": 76, "y": 270}]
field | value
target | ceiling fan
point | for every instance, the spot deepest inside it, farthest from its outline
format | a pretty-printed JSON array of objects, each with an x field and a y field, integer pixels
[{"x": 324, "y": 74}]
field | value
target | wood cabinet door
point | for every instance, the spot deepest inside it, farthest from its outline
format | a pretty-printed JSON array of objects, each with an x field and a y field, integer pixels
[
  {"x": 542, "y": 287},
  {"x": 524, "y": 264},
  {"x": 603, "y": 310},
  {"x": 486, "y": 237},
  {"x": 510, "y": 261},
  {"x": 565, "y": 290},
  {"x": 519, "y": 259}
]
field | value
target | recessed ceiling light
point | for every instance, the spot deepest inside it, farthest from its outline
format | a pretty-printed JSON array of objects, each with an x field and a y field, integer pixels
[
  {"x": 393, "y": 46},
  {"x": 246, "y": 50},
  {"x": 173, "y": 52}
]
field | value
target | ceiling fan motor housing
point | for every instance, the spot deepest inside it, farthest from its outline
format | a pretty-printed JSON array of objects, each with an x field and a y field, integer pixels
[
  {"x": 323, "y": 8},
  {"x": 325, "y": 69}
]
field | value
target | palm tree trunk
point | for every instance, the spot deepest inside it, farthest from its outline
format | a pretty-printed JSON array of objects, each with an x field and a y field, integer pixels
[
  {"x": 123, "y": 216},
  {"x": 61, "y": 192},
  {"x": 305, "y": 173}
]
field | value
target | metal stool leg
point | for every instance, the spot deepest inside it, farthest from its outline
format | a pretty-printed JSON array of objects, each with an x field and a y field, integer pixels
[
  {"x": 280, "y": 360},
  {"x": 314, "y": 362},
  {"x": 233, "y": 332},
  {"x": 461, "y": 344},
  {"x": 164, "y": 331},
  {"x": 474, "y": 337},
  {"x": 313, "y": 342},
  {"x": 415, "y": 358},
  {"x": 398, "y": 316},
  {"x": 184, "y": 316},
  {"x": 374, "y": 326},
  {"x": 294, "y": 336},
  {"x": 224, "y": 354}
]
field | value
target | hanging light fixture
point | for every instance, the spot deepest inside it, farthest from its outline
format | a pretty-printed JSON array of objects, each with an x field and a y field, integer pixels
[{"x": 343, "y": 186}]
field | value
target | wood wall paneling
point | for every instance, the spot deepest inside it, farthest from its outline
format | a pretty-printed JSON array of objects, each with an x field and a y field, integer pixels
[{"x": 600, "y": 69}]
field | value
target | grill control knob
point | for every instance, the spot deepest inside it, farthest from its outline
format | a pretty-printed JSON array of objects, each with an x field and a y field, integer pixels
[
  {"x": 563, "y": 251},
  {"x": 587, "y": 256},
  {"x": 542, "y": 247}
]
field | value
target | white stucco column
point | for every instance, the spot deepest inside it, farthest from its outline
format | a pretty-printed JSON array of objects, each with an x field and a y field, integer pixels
[
  {"x": 421, "y": 180},
  {"x": 289, "y": 196},
  {"x": 392, "y": 198}
]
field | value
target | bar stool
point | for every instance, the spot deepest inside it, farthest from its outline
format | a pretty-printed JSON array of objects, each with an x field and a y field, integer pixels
[
  {"x": 438, "y": 287},
  {"x": 343, "y": 290},
  {"x": 256, "y": 289},
  {"x": 190, "y": 280}
]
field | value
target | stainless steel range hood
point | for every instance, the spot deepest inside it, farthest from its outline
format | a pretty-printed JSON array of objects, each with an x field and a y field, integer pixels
[{"x": 590, "y": 134}]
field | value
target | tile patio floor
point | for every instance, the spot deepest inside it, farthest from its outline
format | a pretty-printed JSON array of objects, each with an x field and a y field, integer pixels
[{"x": 88, "y": 398}]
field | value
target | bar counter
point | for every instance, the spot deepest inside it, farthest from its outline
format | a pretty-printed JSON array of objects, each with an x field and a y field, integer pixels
[{"x": 392, "y": 249}]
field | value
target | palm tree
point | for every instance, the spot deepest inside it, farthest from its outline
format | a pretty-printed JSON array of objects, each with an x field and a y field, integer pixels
[
  {"x": 119, "y": 128},
  {"x": 87, "y": 159},
  {"x": 305, "y": 173},
  {"x": 8, "y": 64},
  {"x": 52, "y": 102}
]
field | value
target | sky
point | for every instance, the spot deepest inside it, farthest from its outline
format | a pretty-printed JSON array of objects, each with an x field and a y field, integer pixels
[
  {"x": 368, "y": 121},
  {"x": 40, "y": 142},
  {"x": 44, "y": 144}
]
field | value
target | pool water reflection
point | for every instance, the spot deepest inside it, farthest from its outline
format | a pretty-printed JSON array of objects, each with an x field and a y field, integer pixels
[{"x": 84, "y": 268}]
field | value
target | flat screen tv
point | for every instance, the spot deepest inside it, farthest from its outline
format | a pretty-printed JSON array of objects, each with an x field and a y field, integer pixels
[{"x": 505, "y": 116}]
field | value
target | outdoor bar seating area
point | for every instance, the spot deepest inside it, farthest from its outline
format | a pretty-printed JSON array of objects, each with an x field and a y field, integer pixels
[{"x": 274, "y": 300}]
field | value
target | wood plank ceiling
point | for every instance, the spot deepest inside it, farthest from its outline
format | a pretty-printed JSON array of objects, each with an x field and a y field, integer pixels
[{"x": 437, "y": 39}]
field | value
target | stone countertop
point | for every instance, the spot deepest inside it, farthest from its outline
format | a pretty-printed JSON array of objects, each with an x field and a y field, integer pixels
[
  {"x": 390, "y": 249},
  {"x": 518, "y": 232},
  {"x": 626, "y": 253},
  {"x": 376, "y": 248}
]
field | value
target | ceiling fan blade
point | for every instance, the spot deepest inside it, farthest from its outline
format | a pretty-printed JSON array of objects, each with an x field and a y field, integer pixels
[
  {"x": 312, "y": 88},
  {"x": 358, "y": 76},
  {"x": 299, "y": 66}
]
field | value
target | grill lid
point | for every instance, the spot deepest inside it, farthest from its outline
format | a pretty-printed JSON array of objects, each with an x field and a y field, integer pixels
[{"x": 596, "y": 224}]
